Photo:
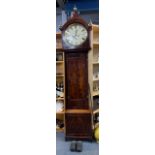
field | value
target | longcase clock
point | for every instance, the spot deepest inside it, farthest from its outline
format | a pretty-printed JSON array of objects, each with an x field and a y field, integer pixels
[{"x": 76, "y": 44}]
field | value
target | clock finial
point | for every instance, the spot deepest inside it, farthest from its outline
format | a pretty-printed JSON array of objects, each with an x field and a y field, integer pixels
[
  {"x": 75, "y": 8},
  {"x": 74, "y": 12},
  {"x": 90, "y": 22}
]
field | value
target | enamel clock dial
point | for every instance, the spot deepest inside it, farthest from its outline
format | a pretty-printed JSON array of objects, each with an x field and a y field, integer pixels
[{"x": 75, "y": 35}]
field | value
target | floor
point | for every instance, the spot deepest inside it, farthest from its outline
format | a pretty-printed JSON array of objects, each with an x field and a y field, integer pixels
[{"x": 62, "y": 147}]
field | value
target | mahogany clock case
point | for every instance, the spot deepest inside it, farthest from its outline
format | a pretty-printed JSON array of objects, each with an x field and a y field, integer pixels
[{"x": 78, "y": 118}]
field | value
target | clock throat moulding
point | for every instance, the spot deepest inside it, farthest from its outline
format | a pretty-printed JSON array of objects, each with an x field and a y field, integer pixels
[{"x": 78, "y": 110}]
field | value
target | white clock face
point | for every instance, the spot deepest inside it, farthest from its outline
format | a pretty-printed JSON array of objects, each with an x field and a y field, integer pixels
[{"x": 75, "y": 35}]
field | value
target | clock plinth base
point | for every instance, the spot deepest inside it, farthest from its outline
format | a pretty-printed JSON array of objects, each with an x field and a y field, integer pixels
[
  {"x": 71, "y": 138},
  {"x": 78, "y": 126}
]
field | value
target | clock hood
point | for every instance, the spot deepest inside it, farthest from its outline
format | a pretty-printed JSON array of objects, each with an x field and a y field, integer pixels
[{"x": 75, "y": 18}]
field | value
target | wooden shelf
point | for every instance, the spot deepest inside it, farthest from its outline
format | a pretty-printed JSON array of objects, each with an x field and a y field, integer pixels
[
  {"x": 96, "y": 111},
  {"x": 58, "y": 34},
  {"x": 95, "y": 63},
  {"x": 95, "y": 43},
  {"x": 60, "y": 75},
  {"x": 60, "y": 113},
  {"x": 95, "y": 93},
  {"x": 60, "y": 129},
  {"x": 58, "y": 49},
  {"x": 59, "y": 62},
  {"x": 60, "y": 98},
  {"x": 94, "y": 80}
]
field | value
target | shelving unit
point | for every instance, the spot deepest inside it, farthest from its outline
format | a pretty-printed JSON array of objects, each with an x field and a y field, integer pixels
[
  {"x": 93, "y": 74},
  {"x": 60, "y": 78},
  {"x": 93, "y": 71}
]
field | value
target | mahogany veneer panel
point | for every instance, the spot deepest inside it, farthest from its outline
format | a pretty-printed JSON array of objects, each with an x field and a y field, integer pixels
[
  {"x": 78, "y": 126},
  {"x": 76, "y": 81}
]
